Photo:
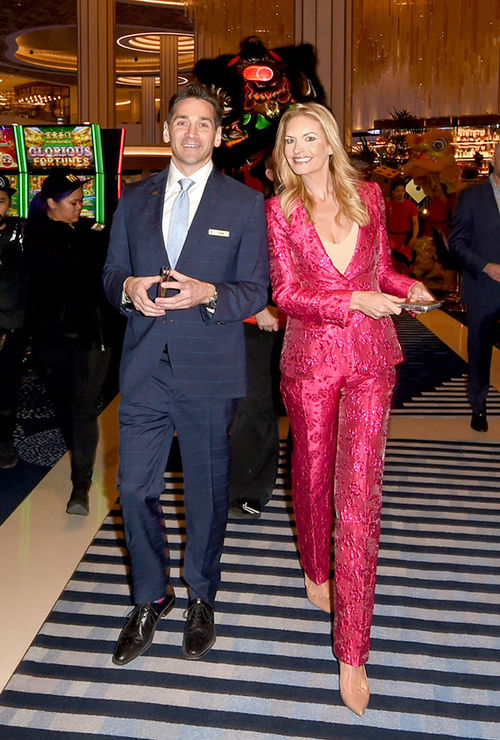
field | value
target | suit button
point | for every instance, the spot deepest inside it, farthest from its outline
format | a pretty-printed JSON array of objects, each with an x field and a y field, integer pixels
[{"x": 220, "y": 323}]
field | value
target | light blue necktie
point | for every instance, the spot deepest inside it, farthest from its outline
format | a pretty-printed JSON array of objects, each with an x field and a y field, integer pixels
[{"x": 179, "y": 222}]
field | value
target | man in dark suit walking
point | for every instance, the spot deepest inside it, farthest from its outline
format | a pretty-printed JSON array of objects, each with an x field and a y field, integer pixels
[
  {"x": 475, "y": 241},
  {"x": 183, "y": 363}
]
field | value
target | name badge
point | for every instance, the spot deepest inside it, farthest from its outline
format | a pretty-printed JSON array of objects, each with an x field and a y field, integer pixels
[{"x": 218, "y": 232}]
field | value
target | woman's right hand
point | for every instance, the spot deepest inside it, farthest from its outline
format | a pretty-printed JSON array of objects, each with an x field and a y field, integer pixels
[{"x": 374, "y": 304}]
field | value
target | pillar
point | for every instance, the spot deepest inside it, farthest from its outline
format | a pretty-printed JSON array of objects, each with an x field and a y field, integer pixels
[
  {"x": 327, "y": 25},
  {"x": 169, "y": 72},
  {"x": 96, "y": 62},
  {"x": 148, "y": 111}
]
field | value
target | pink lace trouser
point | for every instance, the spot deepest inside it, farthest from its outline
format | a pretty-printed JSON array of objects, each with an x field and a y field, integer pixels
[{"x": 339, "y": 428}]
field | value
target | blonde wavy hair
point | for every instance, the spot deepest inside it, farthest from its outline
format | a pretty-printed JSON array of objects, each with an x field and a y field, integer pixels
[{"x": 343, "y": 174}]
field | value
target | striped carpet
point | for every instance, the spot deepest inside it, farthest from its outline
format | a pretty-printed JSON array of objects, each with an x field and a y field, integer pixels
[
  {"x": 434, "y": 661},
  {"x": 433, "y": 379},
  {"x": 448, "y": 398}
]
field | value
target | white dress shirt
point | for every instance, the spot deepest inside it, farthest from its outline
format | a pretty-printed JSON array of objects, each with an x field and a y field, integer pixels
[{"x": 173, "y": 188}]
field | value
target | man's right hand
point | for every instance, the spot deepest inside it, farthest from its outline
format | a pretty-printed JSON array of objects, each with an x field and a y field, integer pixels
[
  {"x": 492, "y": 269},
  {"x": 136, "y": 289}
]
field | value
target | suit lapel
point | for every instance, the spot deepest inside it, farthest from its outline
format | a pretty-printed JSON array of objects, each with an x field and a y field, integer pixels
[
  {"x": 364, "y": 251},
  {"x": 210, "y": 204},
  {"x": 368, "y": 236},
  {"x": 154, "y": 200},
  {"x": 303, "y": 233}
]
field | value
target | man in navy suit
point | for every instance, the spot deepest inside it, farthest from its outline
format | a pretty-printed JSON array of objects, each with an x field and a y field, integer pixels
[
  {"x": 183, "y": 363},
  {"x": 475, "y": 241}
]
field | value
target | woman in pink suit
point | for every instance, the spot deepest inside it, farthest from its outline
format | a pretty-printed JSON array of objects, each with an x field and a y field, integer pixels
[{"x": 332, "y": 275}]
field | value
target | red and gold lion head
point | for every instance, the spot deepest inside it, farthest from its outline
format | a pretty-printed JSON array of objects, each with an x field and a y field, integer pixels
[{"x": 431, "y": 159}]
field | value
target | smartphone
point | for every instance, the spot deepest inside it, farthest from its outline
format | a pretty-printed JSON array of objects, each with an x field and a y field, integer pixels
[
  {"x": 163, "y": 292},
  {"x": 421, "y": 307}
]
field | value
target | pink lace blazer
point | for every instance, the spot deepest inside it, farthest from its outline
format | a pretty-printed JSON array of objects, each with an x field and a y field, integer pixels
[{"x": 323, "y": 337}]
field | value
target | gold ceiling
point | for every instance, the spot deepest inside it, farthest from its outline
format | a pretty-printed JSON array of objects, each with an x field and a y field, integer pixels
[{"x": 56, "y": 49}]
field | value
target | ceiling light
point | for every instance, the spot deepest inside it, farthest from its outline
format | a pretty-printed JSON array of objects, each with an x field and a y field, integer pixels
[{"x": 150, "y": 42}]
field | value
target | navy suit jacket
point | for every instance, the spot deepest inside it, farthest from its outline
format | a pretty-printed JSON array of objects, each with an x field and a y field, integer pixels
[
  {"x": 475, "y": 241},
  {"x": 226, "y": 245}
]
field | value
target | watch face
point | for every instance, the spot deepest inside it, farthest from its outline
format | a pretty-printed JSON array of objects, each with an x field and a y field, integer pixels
[{"x": 212, "y": 303}]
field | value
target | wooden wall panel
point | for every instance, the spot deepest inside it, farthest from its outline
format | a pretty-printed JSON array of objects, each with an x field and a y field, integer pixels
[
  {"x": 432, "y": 57},
  {"x": 220, "y": 25}
]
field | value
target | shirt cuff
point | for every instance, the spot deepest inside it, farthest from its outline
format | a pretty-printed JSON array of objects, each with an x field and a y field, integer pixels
[{"x": 125, "y": 299}]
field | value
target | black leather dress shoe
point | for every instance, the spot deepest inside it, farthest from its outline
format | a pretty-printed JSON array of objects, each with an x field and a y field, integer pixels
[
  {"x": 199, "y": 632},
  {"x": 479, "y": 421},
  {"x": 138, "y": 633}
]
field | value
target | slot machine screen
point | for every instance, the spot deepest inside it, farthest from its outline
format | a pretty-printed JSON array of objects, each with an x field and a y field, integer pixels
[
  {"x": 70, "y": 147},
  {"x": 89, "y": 192},
  {"x": 9, "y": 164}
]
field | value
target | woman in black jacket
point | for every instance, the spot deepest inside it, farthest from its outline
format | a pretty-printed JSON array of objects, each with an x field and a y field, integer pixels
[{"x": 70, "y": 319}]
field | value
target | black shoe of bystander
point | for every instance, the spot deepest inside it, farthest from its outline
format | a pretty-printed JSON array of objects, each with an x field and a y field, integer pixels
[
  {"x": 8, "y": 455},
  {"x": 479, "y": 421},
  {"x": 79, "y": 501},
  {"x": 245, "y": 509}
]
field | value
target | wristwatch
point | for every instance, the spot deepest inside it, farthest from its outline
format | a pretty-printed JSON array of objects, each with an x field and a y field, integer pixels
[{"x": 212, "y": 303}]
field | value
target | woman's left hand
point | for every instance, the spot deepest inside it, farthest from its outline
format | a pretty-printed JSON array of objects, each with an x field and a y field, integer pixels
[{"x": 419, "y": 293}]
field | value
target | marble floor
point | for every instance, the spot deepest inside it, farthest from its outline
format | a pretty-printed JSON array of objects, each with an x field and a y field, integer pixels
[{"x": 40, "y": 545}]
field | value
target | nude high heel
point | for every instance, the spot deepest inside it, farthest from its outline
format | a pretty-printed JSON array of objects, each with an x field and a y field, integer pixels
[
  {"x": 319, "y": 595},
  {"x": 354, "y": 688}
]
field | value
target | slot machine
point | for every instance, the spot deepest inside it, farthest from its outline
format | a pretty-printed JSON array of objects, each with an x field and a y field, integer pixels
[
  {"x": 74, "y": 147},
  {"x": 10, "y": 141}
]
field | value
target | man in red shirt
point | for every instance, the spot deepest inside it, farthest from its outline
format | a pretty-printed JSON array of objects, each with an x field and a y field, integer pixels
[{"x": 402, "y": 225}]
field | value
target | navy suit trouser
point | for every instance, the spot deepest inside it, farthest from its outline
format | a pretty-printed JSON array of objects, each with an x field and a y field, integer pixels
[
  {"x": 481, "y": 321},
  {"x": 147, "y": 424}
]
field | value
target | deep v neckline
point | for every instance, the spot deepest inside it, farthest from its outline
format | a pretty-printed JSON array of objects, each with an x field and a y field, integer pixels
[{"x": 337, "y": 244}]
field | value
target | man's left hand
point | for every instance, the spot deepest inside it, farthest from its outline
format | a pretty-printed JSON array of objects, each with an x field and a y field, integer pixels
[{"x": 191, "y": 293}]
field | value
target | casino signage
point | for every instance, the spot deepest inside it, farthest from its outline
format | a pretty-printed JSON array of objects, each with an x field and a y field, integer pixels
[{"x": 70, "y": 147}]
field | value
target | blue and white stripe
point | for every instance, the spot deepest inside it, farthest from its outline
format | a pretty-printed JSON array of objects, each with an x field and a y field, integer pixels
[{"x": 434, "y": 660}]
